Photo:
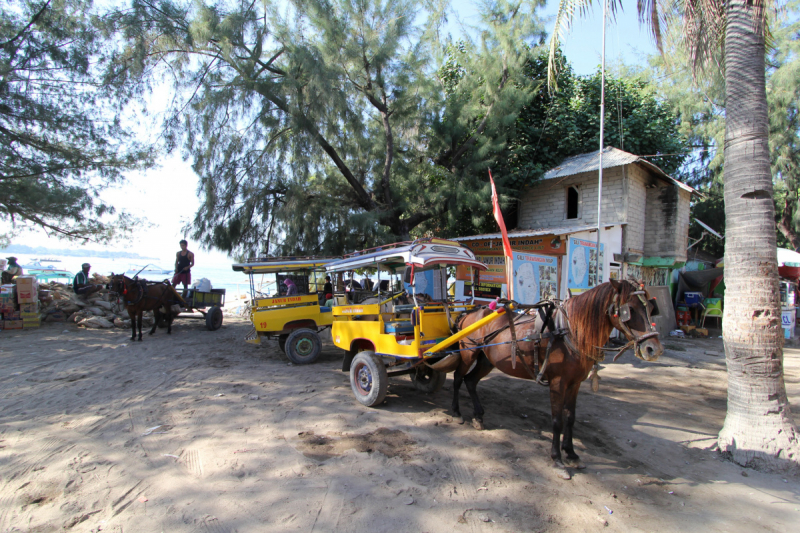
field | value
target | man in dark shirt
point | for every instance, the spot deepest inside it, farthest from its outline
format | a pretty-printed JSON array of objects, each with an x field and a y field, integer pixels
[
  {"x": 328, "y": 287},
  {"x": 184, "y": 261},
  {"x": 80, "y": 283}
]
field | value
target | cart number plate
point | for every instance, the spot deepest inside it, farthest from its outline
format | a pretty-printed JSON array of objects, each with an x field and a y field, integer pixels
[{"x": 263, "y": 324}]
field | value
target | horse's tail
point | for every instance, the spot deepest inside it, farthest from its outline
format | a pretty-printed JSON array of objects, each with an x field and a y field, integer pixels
[{"x": 178, "y": 297}]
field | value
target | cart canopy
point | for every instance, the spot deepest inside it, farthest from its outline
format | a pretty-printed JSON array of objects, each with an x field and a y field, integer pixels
[
  {"x": 422, "y": 253},
  {"x": 283, "y": 264}
]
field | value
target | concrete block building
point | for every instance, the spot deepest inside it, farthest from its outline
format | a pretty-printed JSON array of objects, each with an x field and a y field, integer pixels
[{"x": 645, "y": 217}]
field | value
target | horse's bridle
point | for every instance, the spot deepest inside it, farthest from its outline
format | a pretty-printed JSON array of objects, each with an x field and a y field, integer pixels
[
  {"x": 124, "y": 292},
  {"x": 622, "y": 313}
]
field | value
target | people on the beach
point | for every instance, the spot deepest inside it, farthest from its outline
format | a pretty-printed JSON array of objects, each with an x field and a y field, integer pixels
[
  {"x": 184, "y": 261},
  {"x": 80, "y": 283},
  {"x": 12, "y": 270}
]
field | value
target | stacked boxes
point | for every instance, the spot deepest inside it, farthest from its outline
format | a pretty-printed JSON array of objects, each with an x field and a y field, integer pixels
[
  {"x": 9, "y": 309},
  {"x": 30, "y": 315},
  {"x": 27, "y": 289}
]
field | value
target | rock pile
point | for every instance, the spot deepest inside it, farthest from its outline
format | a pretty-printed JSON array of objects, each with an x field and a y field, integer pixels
[{"x": 59, "y": 303}]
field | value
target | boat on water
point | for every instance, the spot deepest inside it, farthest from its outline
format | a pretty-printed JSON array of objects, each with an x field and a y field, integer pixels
[
  {"x": 47, "y": 273},
  {"x": 148, "y": 271}
]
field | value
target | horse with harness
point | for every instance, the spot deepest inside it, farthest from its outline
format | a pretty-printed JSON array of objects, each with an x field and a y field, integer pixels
[
  {"x": 556, "y": 345},
  {"x": 139, "y": 296}
]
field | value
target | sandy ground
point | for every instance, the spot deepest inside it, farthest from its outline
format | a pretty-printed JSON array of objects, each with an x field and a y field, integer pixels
[{"x": 200, "y": 432}]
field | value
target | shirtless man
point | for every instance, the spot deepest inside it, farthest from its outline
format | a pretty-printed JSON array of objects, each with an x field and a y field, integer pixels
[{"x": 184, "y": 261}]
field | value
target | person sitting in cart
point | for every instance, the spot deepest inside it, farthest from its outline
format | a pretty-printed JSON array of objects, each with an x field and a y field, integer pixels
[
  {"x": 184, "y": 261},
  {"x": 12, "y": 270},
  {"x": 291, "y": 288},
  {"x": 328, "y": 287},
  {"x": 80, "y": 283},
  {"x": 329, "y": 300}
]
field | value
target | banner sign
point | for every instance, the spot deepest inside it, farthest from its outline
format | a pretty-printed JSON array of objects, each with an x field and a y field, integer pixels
[
  {"x": 535, "y": 277},
  {"x": 582, "y": 268},
  {"x": 547, "y": 244}
]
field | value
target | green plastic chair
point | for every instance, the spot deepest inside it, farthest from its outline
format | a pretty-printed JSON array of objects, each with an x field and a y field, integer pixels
[{"x": 713, "y": 308}]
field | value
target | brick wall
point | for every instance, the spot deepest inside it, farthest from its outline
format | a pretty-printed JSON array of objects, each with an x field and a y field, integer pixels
[
  {"x": 638, "y": 178},
  {"x": 544, "y": 205}
]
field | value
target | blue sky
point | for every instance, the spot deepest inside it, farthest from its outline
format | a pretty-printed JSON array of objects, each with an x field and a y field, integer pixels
[{"x": 167, "y": 196}]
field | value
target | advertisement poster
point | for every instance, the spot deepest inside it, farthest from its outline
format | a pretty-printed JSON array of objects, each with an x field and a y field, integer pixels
[
  {"x": 431, "y": 282},
  {"x": 535, "y": 277},
  {"x": 582, "y": 268}
]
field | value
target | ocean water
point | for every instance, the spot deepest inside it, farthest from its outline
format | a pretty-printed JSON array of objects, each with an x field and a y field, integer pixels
[{"x": 219, "y": 272}]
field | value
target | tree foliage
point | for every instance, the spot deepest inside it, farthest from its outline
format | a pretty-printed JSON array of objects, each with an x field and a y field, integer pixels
[
  {"x": 60, "y": 143},
  {"x": 325, "y": 127}
]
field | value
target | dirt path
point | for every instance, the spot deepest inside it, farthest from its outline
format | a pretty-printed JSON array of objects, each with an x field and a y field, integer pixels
[{"x": 200, "y": 432}]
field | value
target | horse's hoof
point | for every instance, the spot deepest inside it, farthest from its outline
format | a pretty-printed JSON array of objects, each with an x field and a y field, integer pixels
[
  {"x": 561, "y": 470},
  {"x": 478, "y": 424},
  {"x": 574, "y": 463},
  {"x": 460, "y": 419}
]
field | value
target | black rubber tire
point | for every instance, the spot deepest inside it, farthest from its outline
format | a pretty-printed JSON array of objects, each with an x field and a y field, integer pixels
[
  {"x": 303, "y": 346},
  {"x": 282, "y": 342},
  {"x": 368, "y": 378},
  {"x": 427, "y": 380},
  {"x": 214, "y": 318}
]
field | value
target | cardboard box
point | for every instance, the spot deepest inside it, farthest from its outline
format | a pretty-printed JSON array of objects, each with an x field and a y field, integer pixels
[
  {"x": 12, "y": 324},
  {"x": 28, "y": 324},
  {"x": 29, "y": 308},
  {"x": 8, "y": 297},
  {"x": 27, "y": 289},
  {"x": 12, "y": 315}
]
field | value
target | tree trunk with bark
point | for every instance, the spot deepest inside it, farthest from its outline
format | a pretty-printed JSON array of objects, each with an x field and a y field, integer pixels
[{"x": 758, "y": 430}]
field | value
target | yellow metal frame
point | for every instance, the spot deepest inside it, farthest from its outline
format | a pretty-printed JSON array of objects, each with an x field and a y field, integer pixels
[
  {"x": 431, "y": 332},
  {"x": 271, "y": 315}
]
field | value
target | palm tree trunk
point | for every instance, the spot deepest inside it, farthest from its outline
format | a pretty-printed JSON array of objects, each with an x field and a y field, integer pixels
[{"x": 758, "y": 430}]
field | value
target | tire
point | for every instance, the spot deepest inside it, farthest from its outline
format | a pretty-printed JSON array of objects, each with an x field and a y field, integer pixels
[
  {"x": 303, "y": 346},
  {"x": 428, "y": 380},
  {"x": 214, "y": 318},
  {"x": 368, "y": 378},
  {"x": 282, "y": 342}
]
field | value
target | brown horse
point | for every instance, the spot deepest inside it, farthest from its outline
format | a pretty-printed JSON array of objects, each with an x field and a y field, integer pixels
[
  {"x": 140, "y": 296},
  {"x": 582, "y": 325}
]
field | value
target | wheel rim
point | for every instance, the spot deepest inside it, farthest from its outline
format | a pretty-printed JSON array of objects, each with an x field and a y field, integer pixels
[
  {"x": 363, "y": 379},
  {"x": 304, "y": 347},
  {"x": 424, "y": 376}
]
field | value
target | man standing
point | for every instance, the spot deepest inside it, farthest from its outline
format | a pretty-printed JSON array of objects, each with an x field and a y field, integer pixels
[
  {"x": 184, "y": 261},
  {"x": 328, "y": 287},
  {"x": 80, "y": 283}
]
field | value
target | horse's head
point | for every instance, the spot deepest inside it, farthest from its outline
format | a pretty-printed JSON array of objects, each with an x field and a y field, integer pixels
[
  {"x": 116, "y": 283},
  {"x": 631, "y": 312}
]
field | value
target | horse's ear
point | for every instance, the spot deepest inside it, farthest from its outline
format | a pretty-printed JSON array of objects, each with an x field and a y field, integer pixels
[{"x": 615, "y": 284}]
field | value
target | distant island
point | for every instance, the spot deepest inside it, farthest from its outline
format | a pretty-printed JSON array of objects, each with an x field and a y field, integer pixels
[{"x": 41, "y": 250}]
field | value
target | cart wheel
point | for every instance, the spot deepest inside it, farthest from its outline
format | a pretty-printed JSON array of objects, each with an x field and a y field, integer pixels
[
  {"x": 214, "y": 318},
  {"x": 303, "y": 346},
  {"x": 368, "y": 378},
  {"x": 427, "y": 379},
  {"x": 282, "y": 342}
]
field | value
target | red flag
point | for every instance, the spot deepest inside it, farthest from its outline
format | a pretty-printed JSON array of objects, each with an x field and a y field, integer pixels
[{"x": 498, "y": 216}]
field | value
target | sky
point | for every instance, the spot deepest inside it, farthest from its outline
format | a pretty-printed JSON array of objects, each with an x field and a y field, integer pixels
[{"x": 167, "y": 195}]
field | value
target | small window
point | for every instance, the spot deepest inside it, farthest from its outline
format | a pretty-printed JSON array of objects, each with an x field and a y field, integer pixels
[{"x": 573, "y": 202}]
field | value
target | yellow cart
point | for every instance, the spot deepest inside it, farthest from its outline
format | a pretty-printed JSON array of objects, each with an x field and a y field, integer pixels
[
  {"x": 295, "y": 321},
  {"x": 390, "y": 338}
]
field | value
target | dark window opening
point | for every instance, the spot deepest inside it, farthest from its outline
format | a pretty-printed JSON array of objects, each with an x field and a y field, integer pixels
[{"x": 573, "y": 202}]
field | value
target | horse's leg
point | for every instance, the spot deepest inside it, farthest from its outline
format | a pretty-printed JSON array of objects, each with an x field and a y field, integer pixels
[
  {"x": 156, "y": 320},
  {"x": 458, "y": 378},
  {"x": 572, "y": 458},
  {"x": 169, "y": 320},
  {"x": 557, "y": 411},
  {"x": 471, "y": 380},
  {"x": 139, "y": 316},
  {"x": 132, "y": 316}
]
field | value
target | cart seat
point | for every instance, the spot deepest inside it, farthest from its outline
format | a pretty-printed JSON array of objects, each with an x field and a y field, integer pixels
[
  {"x": 324, "y": 309},
  {"x": 400, "y": 328}
]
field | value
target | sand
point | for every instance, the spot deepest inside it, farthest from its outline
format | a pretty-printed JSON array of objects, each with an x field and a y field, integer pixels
[{"x": 200, "y": 432}]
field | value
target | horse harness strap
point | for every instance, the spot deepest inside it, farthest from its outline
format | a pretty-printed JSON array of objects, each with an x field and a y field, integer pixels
[{"x": 623, "y": 314}]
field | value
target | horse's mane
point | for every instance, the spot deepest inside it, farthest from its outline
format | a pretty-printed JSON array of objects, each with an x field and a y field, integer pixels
[{"x": 588, "y": 319}]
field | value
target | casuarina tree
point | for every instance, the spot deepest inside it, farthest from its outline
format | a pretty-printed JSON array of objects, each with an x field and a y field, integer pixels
[
  {"x": 323, "y": 125},
  {"x": 759, "y": 430},
  {"x": 60, "y": 138}
]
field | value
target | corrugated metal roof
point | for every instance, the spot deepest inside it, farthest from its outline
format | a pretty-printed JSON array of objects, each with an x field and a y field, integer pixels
[
  {"x": 612, "y": 157},
  {"x": 517, "y": 233}
]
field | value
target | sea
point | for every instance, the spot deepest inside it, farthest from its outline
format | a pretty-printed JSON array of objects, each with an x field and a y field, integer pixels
[{"x": 218, "y": 271}]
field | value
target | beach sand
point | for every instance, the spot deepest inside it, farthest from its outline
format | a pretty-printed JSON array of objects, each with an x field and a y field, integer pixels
[{"x": 200, "y": 432}]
